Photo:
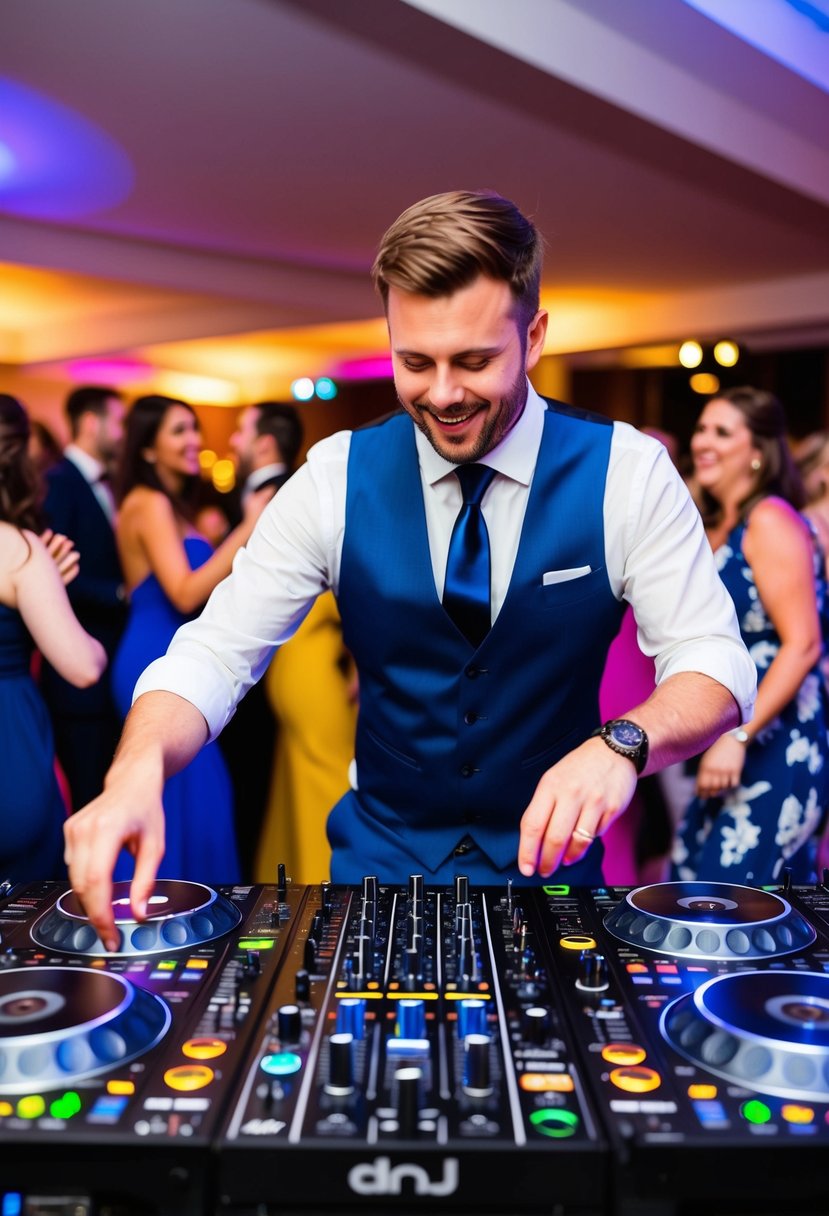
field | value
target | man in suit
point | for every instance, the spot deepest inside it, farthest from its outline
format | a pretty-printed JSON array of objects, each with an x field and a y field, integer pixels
[
  {"x": 482, "y": 544},
  {"x": 80, "y": 503},
  {"x": 266, "y": 445}
]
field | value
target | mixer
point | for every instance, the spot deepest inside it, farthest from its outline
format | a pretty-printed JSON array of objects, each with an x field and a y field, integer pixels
[{"x": 286, "y": 1049}]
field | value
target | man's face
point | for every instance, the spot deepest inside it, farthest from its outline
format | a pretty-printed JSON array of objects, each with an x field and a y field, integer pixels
[
  {"x": 460, "y": 364},
  {"x": 109, "y": 432},
  {"x": 242, "y": 441}
]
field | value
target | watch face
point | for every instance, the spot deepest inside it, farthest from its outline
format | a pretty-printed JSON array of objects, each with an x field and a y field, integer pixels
[{"x": 626, "y": 734}]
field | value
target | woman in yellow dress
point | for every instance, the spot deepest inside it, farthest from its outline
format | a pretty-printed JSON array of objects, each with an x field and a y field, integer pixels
[{"x": 311, "y": 686}]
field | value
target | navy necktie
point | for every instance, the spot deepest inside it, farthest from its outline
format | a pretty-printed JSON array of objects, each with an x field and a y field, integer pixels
[{"x": 466, "y": 588}]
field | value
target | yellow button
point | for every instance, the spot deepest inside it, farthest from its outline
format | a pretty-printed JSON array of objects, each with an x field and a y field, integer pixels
[
  {"x": 188, "y": 1076},
  {"x": 6, "y": 1109},
  {"x": 797, "y": 1114},
  {"x": 577, "y": 941},
  {"x": 623, "y": 1053},
  {"x": 702, "y": 1093},
  {"x": 31, "y": 1107},
  {"x": 636, "y": 1080},
  {"x": 120, "y": 1087},
  {"x": 546, "y": 1082},
  {"x": 197, "y": 964},
  {"x": 204, "y": 1049}
]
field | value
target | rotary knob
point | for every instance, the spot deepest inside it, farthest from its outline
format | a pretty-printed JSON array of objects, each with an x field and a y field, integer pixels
[
  {"x": 537, "y": 1022},
  {"x": 476, "y": 1071},
  {"x": 408, "y": 1082},
  {"x": 351, "y": 1016},
  {"x": 411, "y": 1019},
  {"x": 471, "y": 1017},
  {"x": 289, "y": 1023},
  {"x": 593, "y": 972},
  {"x": 340, "y": 1065}
]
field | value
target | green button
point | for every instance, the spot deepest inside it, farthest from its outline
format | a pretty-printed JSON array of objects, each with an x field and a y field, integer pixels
[
  {"x": 65, "y": 1107},
  {"x": 755, "y": 1112},
  {"x": 257, "y": 943},
  {"x": 556, "y": 1123},
  {"x": 563, "y": 889}
]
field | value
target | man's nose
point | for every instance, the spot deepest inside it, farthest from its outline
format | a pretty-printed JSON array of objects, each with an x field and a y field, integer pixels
[{"x": 446, "y": 388}]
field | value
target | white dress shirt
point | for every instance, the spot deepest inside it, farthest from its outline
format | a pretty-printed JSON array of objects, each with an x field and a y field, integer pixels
[
  {"x": 657, "y": 556},
  {"x": 93, "y": 471}
]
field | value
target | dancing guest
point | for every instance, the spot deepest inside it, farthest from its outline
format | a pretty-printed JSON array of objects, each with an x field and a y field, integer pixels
[
  {"x": 170, "y": 570},
  {"x": 34, "y": 610},
  {"x": 760, "y": 789}
]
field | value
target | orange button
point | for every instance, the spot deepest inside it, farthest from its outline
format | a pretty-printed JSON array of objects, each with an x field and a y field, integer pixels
[
  {"x": 187, "y": 1077},
  {"x": 702, "y": 1093},
  {"x": 204, "y": 1049},
  {"x": 120, "y": 1087},
  {"x": 636, "y": 1080},
  {"x": 623, "y": 1053},
  {"x": 797, "y": 1114},
  {"x": 546, "y": 1082}
]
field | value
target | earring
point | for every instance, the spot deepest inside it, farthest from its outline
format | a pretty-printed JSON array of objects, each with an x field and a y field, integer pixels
[{"x": 756, "y": 464}]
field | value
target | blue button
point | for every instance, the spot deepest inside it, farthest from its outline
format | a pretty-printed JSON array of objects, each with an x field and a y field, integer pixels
[{"x": 281, "y": 1064}]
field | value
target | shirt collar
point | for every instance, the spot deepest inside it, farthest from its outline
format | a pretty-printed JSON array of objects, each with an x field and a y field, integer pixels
[
  {"x": 89, "y": 468},
  {"x": 259, "y": 476},
  {"x": 515, "y": 456}
]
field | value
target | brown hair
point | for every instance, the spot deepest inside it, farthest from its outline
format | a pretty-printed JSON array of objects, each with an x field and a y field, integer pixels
[
  {"x": 19, "y": 489},
  {"x": 766, "y": 419},
  {"x": 444, "y": 242}
]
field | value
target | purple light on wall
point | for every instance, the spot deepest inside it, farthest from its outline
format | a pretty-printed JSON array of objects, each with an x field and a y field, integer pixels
[
  {"x": 378, "y": 367},
  {"x": 55, "y": 163}
]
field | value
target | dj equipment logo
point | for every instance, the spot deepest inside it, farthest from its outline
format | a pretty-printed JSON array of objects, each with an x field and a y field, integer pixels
[{"x": 380, "y": 1177}]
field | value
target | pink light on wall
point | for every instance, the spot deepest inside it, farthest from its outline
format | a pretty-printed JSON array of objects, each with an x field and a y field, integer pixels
[
  {"x": 115, "y": 372},
  {"x": 377, "y": 367}
]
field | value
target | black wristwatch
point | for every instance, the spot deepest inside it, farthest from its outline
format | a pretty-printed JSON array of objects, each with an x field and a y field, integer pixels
[{"x": 626, "y": 738}]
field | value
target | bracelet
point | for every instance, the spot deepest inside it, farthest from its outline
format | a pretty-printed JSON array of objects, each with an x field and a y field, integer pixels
[{"x": 741, "y": 735}]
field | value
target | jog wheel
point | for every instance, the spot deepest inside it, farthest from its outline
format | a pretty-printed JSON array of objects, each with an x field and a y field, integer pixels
[
  {"x": 60, "y": 1025},
  {"x": 709, "y": 920},
  {"x": 181, "y": 915},
  {"x": 764, "y": 1030}
]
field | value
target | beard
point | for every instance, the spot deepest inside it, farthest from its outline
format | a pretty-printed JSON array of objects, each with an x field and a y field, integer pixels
[{"x": 497, "y": 424}]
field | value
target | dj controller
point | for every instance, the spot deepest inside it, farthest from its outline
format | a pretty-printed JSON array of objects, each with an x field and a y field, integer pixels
[{"x": 285, "y": 1049}]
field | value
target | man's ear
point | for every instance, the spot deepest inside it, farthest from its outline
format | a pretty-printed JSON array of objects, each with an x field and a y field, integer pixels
[{"x": 536, "y": 335}]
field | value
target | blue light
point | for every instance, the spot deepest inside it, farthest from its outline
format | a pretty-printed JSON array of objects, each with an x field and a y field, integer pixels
[
  {"x": 303, "y": 389},
  {"x": 325, "y": 388},
  {"x": 8, "y": 164},
  {"x": 55, "y": 163},
  {"x": 12, "y": 1204}
]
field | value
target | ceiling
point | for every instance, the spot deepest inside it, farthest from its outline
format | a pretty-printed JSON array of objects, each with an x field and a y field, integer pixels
[{"x": 191, "y": 191}]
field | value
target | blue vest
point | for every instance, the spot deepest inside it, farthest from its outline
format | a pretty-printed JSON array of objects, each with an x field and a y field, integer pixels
[{"x": 451, "y": 741}]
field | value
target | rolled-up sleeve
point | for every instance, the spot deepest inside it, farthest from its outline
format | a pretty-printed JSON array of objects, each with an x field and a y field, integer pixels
[{"x": 660, "y": 561}]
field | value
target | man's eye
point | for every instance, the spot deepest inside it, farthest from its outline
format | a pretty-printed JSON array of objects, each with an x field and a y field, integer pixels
[
  {"x": 412, "y": 366},
  {"x": 475, "y": 367}
]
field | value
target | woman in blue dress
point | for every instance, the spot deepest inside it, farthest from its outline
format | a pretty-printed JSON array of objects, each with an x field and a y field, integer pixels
[
  {"x": 34, "y": 611},
  {"x": 761, "y": 789},
  {"x": 170, "y": 571}
]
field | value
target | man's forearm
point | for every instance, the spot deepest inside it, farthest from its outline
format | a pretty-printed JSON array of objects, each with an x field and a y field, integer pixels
[
  {"x": 684, "y": 716},
  {"x": 162, "y": 734}
]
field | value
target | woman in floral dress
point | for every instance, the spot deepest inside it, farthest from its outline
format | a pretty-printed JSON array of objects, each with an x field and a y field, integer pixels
[{"x": 761, "y": 789}]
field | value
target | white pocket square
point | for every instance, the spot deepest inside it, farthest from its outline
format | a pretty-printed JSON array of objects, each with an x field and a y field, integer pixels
[{"x": 564, "y": 576}]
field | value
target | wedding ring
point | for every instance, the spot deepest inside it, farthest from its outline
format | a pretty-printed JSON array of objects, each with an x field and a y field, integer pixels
[{"x": 580, "y": 832}]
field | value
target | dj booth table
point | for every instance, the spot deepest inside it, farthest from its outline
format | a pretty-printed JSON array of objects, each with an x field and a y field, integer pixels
[{"x": 268, "y": 1050}]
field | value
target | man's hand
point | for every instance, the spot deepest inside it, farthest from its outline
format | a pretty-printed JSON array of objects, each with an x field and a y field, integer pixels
[
  {"x": 575, "y": 801},
  {"x": 124, "y": 815},
  {"x": 63, "y": 553}
]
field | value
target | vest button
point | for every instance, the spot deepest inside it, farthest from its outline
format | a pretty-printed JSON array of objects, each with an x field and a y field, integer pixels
[
  {"x": 470, "y": 717},
  {"x": 467, "y": 770}
]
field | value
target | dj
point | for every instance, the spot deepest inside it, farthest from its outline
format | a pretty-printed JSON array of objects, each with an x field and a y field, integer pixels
[{"x": 481, "y": 544}]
